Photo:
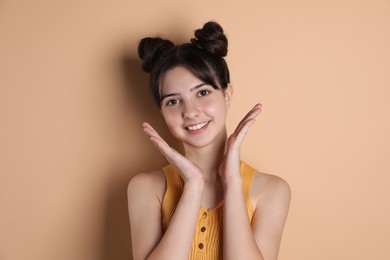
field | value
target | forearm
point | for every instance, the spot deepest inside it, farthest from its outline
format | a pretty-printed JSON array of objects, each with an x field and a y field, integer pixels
[
  {"x": 177, "y": 240},
  {"x": 239, "y": 242}
]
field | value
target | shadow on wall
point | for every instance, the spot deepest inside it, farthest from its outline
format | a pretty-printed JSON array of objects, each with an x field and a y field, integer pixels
[{"x": 116, "y": 242}]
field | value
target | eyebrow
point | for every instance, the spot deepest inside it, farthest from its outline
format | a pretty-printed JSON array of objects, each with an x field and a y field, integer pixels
[
  {"x": 176, "y": 94},
  {"x": 198, "y": 86}
]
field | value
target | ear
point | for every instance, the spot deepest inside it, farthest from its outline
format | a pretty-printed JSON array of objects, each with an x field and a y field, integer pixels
[{"x": 228, "y": 92}]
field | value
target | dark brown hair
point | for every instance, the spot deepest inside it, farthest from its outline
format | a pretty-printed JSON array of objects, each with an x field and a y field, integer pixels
[{"x": 203, "y": 56}]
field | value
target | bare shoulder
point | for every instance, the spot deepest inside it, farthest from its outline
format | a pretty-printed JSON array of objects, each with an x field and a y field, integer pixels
[
  {"x": 270, "y": 189},
  {"x": 147, "y": 185},
  {"x": 145, "y": 192}
]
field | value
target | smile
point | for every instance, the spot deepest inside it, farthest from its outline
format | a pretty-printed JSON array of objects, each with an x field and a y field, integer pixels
[{"x": 197, "y": 127}]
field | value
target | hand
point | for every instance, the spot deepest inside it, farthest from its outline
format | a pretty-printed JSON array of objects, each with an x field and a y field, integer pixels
[
  {"x": 188, "y": 171},
  {"x": 230, "y": 166}
]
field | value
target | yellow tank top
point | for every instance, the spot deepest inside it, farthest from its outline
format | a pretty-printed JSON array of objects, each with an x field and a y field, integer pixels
[{"x": 207, "y": 243}]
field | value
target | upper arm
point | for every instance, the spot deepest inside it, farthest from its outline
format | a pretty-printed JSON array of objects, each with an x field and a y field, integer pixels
[
  {"x": 272, "y": 205},
  {"x": 144, "y": 204}
]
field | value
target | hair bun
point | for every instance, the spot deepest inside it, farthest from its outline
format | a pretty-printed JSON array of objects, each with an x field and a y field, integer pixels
[
  {"x": 212, "y": 39},
  {"x": 149, "y": 49}
]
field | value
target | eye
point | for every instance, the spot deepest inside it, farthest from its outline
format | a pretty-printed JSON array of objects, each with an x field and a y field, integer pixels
[
  {"x": 172, "y": 102},
  {"x": 203, "y": 92}
]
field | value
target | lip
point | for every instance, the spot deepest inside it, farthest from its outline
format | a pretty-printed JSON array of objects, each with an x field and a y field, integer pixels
[{"x": 197, "y": 128}]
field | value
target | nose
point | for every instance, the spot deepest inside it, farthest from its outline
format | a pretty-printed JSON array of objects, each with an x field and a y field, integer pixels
[{"x": 190, "y": 110}]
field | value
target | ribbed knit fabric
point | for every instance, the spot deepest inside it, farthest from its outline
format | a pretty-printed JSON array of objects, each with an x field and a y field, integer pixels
[{"x": 207, "y": 243}]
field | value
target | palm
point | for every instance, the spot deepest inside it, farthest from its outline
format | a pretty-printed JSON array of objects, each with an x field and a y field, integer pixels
[
  {"x": 186, "y": 168},
  {"x": 230, "y": 166}
]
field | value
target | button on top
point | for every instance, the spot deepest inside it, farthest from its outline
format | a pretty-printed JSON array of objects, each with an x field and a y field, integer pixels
[
  {"x": 203, "y": 229},
  {"x": 200, "y": 246},
  {"x": 204, "y": 215}
]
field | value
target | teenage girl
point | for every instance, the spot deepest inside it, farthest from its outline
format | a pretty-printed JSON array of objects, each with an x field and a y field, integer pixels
[{"x": 206, "y": 204}]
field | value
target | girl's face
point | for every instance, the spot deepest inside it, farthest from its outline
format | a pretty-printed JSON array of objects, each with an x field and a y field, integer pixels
[{"x": 194, "y": 111}]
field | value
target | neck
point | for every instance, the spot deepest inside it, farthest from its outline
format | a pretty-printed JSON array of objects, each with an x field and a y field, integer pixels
[{"x": 208, "y": 158}]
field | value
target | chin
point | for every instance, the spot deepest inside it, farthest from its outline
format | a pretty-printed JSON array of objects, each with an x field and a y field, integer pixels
[{"x": 202, "y": 140}]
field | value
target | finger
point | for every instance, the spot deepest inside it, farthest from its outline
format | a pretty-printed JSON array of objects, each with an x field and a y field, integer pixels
[
  {"x": 167, "y": 151},
  {"x": 173, "y": 157},
  {"x": 235, "y": 141},
  {"x": 157, "y": 140},
  {"x": 149, "y": 130},
  {"x": 239, "y": 138},
  {"x": 153, "y": 135},
  {"x": 253, "y": 113},
  {"x": 243, "y": 127}
]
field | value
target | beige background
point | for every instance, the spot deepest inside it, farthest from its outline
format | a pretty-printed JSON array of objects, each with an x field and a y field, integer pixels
[{"x": 72, "y": 100}]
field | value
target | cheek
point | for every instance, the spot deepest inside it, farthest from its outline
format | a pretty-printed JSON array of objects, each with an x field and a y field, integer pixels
[
  {"x": 217, "y": 108},
  {"x": 170, "y": 118}
]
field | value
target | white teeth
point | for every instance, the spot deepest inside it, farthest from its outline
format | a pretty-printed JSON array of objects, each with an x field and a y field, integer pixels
[{"x": 197, "y": 127}]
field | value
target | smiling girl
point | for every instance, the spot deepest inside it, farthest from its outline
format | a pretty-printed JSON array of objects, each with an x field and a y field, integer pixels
[{"x": 206, "y": 203}]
